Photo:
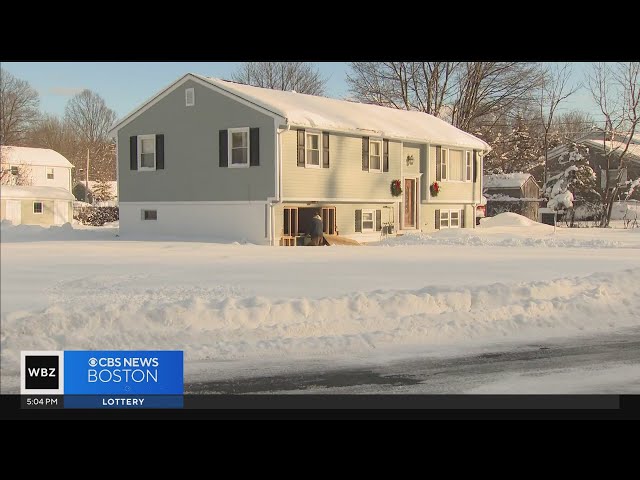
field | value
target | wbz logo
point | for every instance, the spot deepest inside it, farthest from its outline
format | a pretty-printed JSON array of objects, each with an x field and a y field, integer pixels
[{"x": 42, "y": 372}]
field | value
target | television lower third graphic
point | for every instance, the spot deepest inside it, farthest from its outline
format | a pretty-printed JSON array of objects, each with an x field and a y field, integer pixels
[{"x": 104, "y": 379}]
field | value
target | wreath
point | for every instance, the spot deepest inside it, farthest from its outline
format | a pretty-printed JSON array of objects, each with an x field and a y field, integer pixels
[
  {"x": 435, "y": 189},
  {"x": 396, "y": 188}
]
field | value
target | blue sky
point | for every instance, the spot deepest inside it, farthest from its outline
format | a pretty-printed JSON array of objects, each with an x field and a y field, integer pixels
[{"x": 125, "y": 85}]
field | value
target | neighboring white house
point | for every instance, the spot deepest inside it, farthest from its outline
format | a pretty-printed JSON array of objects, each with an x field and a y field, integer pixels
[
  {"x": 35, "y": 205},
  {"x": 43, "y": 166}
]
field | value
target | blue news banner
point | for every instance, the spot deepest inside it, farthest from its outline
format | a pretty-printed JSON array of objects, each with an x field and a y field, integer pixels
[{"x": 107, "y": 378}]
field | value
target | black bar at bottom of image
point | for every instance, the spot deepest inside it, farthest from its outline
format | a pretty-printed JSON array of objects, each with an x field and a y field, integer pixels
[{"x": 404, "y": 402}]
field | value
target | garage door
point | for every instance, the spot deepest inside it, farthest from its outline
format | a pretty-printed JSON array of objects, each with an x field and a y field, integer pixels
[
  {"x": 14, "y": 211},
  {"x": 61, "y": 212}
]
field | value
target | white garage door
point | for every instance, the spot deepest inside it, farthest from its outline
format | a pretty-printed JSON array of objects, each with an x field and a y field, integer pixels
[
  {"x": 14, "y": 211},
  {"x": 60, "y": 212}
]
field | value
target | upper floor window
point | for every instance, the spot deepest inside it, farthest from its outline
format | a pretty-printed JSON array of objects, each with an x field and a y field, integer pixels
[
  {"x": 146, "y": 152},
  {"x": 375, "y": 156},
  {"x": 15, "y": 170},
  {"x": 190, "y": 97},
  {"x": 49, "y": 173},
  {"x": 37, "y": 207},
  {"x": 454, "y": 165},
  {"x": 444, "y": 163},
  {"x": 313, "y": 150},
  {"x": 239, "y": 147}
]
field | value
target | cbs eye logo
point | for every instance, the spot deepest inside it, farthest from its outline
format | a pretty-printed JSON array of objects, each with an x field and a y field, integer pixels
[{"x": 93, "y": 362}]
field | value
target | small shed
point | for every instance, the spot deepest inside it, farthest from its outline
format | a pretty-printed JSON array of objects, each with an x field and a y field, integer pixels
[
  {"x": 512, "y": 192},
  {"x": 36, "y": 205}
]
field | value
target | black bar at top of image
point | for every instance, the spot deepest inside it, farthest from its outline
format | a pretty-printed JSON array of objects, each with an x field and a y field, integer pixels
[{"x": 404, "y": 402}]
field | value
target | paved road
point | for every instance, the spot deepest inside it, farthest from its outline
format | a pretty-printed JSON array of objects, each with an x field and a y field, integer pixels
[{"x": 605, "y": 364}]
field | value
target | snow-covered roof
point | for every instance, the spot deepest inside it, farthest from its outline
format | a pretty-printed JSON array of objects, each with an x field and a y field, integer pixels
[
  {"x": 48, "y": 193},
  {"x": 33, "y": 156},
  {"x": 505, "y": 180},
  {"x": 310, "y": 111},
  {"x": 302, "y": 110},
  {"x": 634, "y": 148}
]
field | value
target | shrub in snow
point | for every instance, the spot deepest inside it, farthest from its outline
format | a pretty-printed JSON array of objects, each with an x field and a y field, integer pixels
[{"x": 96, "y": 216}]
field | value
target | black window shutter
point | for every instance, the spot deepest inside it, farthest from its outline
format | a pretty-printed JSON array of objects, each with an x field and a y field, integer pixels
[
  {"x": 224, "y": 149},
  {"x": 358, "y": 220},
  {"x": 378, "y": 220},
  {"x": 462, "y": 218},
  {"x": 438, "y": 169},
  {"x": 325, "y": 150},
  {"x": 365, "y": 154},
  {"x": 133, "y": 153},
  {"x": 301, "y": 148},
  {"x": 385, "y": 159},
  {"x": 159, "y": 152},
  {"x": 254, "y": 147},
  {"x": 475, "y": 166},
  {"x": 437, "y": 219}
]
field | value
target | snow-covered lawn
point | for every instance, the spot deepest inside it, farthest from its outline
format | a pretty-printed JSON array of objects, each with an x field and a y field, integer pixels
[{"x": 243, "y": 306}]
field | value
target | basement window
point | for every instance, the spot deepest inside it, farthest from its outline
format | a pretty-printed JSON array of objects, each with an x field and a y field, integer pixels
[{"x": 149, "y": 214}]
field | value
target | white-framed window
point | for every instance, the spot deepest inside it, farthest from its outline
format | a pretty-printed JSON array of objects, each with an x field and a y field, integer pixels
[
  {"x": 189, "y": 97},
  {"x": 444, "y": 157},
  {"x": 149, "y": 215},
  {"x": 38, "y": 208},
  {"x": 49, "y": 171},
  {"x": 454, "y": 219},
  {"x": 444, "y": 219},
  {"x": 312, "y": 149},
  {"x": 15, "y": 170},
  {"x": 375, "y": 155},
  {"x": 146, "y": 152},
  {"x": 469, "y": 166},
  {"x": 239, "y": 147},
  {"x": 368, "y": 221},
  {"x": 451, "y": 218},
  {"x": 456, "y": 166}
]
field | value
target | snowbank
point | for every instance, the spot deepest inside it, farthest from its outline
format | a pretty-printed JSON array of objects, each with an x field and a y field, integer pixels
[
  {"x": 507, "y": 219},
  {"x": 631, "y": 209},
  {"x": 219, "y": 323},
  {"x": 30, "y": 233},
  {"x": 475, "y": 239}
]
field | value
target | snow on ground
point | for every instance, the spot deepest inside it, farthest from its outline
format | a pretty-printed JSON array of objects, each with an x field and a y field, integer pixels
[{"x": 65, "y": 288}]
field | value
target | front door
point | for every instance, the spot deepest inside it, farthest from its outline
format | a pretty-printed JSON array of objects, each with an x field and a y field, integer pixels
[
  {"x": 14, "y": 211},
  {"x": 409, "y": 203}
]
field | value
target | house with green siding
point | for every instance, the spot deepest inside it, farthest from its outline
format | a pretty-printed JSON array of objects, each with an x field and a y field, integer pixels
[{"x": 221, "y": 160}]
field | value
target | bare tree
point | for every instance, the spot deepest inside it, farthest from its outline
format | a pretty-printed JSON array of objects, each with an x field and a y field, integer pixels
[
  {"x": 18, "y": 108},
  {"x": 574, "y": 124},
  {"x": 484, "y": 89},
  {"x": 303, "y": 77},
  {"x": 19, "y": 175},
  {"x": 52, "y": 132},
  {"x": 90, "y": 119},
  {"x": 422, "y": 86},
  {"x": 616, "y": 91},
  {"x": 554, "y": 89}
]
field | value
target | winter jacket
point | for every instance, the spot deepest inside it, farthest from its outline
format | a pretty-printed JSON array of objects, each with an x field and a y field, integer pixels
[{"x": 316, "y": 226}]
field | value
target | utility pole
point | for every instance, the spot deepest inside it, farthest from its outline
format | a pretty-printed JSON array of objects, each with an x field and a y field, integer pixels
[{"x": 86, "y": 189}]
